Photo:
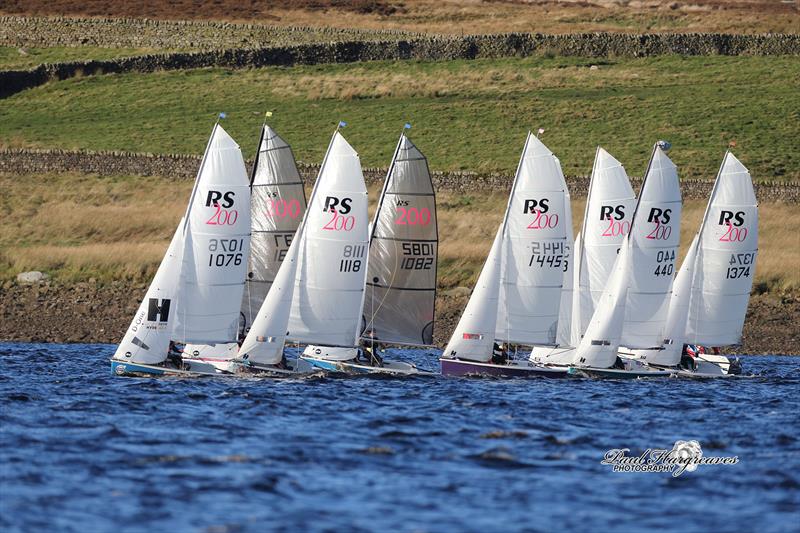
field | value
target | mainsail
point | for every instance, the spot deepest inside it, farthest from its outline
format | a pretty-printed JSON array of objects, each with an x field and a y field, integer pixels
[
  {"x": 277, "y": 205},
  {"x": 712, "y": 290},
  {"x": 535, "y": 249},
  {"x": 148, "y": 336},
  {"x": 632, "y": 309},
  {"x": 401, "y": 279},
  {"x": 331, "y": 271},
  {"x": 655, "y": 234},
  {"x": 606, "y": 221},
  {"x": 217, "y": 244},
  {"x": 473, "y": 337}
]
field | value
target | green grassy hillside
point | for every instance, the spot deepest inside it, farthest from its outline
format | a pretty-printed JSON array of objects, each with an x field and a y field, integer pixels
[{"x": 466, "y": 114}]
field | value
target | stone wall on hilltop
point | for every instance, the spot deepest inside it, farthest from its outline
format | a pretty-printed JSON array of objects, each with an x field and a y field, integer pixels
[{"x": 179, "y": 166}]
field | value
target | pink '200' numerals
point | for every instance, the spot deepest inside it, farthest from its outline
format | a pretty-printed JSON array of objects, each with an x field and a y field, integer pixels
[
  {"x": 413, "y": 216},
  {"x": 340, "y": 222},
  {"x": 660, "y": 233},
  {"x": 544, "y": 221},
  {"x": 223, "y": 217},
  {"x": 734, "y": 234},
  {"x": 280, "y": 208}
]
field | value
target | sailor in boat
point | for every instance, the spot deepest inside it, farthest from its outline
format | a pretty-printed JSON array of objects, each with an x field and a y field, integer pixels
[
  {"x": 499, "y": 354},
  {"x": 371, "y": 349},
  {"x": 175, "y": 354},
  {"x": 688, "y": 357}
]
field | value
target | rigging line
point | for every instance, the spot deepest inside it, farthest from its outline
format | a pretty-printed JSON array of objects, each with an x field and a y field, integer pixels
[{"x": 389, "y": 175}]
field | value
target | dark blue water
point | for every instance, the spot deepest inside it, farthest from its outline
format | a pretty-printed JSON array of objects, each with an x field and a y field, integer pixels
[{"x": 81, "y": 450}]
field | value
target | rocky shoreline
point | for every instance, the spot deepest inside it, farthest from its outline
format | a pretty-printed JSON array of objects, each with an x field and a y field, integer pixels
[{"x": 94, "y": 312}]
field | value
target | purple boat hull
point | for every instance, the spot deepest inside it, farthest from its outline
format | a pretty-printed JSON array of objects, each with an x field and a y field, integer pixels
[{"x": 459, "y": 368}]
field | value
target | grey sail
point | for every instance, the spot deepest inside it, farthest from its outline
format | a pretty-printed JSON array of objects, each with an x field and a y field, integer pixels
[
  {"x": 277, "y": 205},
  {"x": 401, "y": 277}
]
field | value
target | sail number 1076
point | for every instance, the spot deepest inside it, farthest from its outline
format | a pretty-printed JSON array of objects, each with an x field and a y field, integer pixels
[{"x": 225, "y": 252}]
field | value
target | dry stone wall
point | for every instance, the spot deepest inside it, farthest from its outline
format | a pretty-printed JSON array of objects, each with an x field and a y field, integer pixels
[
  {"x": 177, "y": 166},
  {"x": 168, "y": 34},
  {"x": 423, "y": 48}
]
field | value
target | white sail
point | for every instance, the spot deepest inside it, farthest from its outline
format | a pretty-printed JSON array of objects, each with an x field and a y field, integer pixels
[
  {"x": 148, "y": 336},
  {"x": 265, "y": 339},
  {"x": 598, "y": 347},
  {"x": 473, "y": 337},
  {"x": 217, "y": 242},
  {"x": 331, "y": 272},
  {"x": 535, "y": 249},
  {"x": 277, "y": 205},
  {"x": 401, "y": 279},
  {"x": 726, "y": 260},
  {"x": 655, "y": 234},
  {"x": 564, "y": 334},
  {"x": 607, "y": 219},
  {"x": 675, "y": 328}
]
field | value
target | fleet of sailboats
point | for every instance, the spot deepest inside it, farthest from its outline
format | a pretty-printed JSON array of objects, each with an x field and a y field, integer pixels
[{"x": 251, "y": 270}]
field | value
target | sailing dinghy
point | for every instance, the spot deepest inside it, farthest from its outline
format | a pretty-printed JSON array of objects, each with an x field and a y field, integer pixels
[
  {"x": 518, "y": 293},
  {"x": 632, "y": 309},
  {"x": 401, "y": 275},
  {"x": 277, "y": 205},
  {"x": 197, "y": 291},
  {"x": 606, "y": 221},
  {"x": 712, "y": 289}
]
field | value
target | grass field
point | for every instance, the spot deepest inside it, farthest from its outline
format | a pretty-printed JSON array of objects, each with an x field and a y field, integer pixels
[
  {"x": 79, "y": 227},
  {"x": 466, "y": 114},
  {"x": 453, "y": 16}
]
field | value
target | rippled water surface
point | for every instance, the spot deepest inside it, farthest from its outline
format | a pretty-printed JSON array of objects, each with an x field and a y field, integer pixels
[{"x": 81, "y": 450}]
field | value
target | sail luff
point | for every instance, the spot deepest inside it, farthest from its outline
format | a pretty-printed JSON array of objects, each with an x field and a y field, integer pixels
[{"x": 197, "y": 176}]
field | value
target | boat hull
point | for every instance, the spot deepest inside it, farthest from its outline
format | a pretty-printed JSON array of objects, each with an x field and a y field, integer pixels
[
  {"x": 396, "y": 368},
  {"x": 522, "y": 369},
  {"x": 614, "y": 373},
  {"x": 125, "y": 368}
]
